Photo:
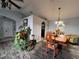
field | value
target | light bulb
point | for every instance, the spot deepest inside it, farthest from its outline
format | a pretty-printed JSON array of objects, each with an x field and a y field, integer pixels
[{"x": 56, "y": 22}]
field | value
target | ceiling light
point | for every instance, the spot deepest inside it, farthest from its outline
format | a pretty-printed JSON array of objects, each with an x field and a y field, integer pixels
[{"x": 59, "y": 22}]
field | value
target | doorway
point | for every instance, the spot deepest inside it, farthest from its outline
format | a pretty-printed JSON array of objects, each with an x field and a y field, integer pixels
[{"x": 43, "y": 29}]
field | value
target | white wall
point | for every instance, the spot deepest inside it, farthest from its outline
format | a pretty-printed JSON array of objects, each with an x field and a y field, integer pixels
[
  {"x": 30, "y": 22},
  {"x": 34, "y": 22},
  {"x": 71, "y": 25},
  {"x": 37, "y": 27},
  {"x": 52, "y": 25}
]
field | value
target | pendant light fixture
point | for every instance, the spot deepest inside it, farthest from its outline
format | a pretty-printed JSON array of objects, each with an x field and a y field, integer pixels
[{"x": 59, "y": 22}]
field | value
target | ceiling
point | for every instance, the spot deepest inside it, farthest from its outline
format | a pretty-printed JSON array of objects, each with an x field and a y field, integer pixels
[{"x": 49, "y": 8}]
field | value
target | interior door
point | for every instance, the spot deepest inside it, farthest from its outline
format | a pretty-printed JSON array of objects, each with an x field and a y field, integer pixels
[{"x": 43, "y": 29}]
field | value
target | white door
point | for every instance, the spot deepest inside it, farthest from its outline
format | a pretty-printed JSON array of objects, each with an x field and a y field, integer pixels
[{"x": 8, "y": 28}]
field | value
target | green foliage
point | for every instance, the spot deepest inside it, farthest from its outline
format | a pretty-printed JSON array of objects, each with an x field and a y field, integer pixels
[{"x": 22, "y": 38}]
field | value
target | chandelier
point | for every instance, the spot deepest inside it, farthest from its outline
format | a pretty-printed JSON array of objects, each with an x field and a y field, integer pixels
[{"x": 59, "y": 22}]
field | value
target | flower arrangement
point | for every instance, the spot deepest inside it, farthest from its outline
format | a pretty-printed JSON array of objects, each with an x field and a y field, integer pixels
[{"x": 22, "y": 38}]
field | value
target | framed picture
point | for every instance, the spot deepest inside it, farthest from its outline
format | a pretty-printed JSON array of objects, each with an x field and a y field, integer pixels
[{"x": 25, "y": 22}]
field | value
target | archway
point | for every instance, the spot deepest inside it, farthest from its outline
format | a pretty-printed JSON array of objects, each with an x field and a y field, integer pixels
[{"x": 43, "y": 29}]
